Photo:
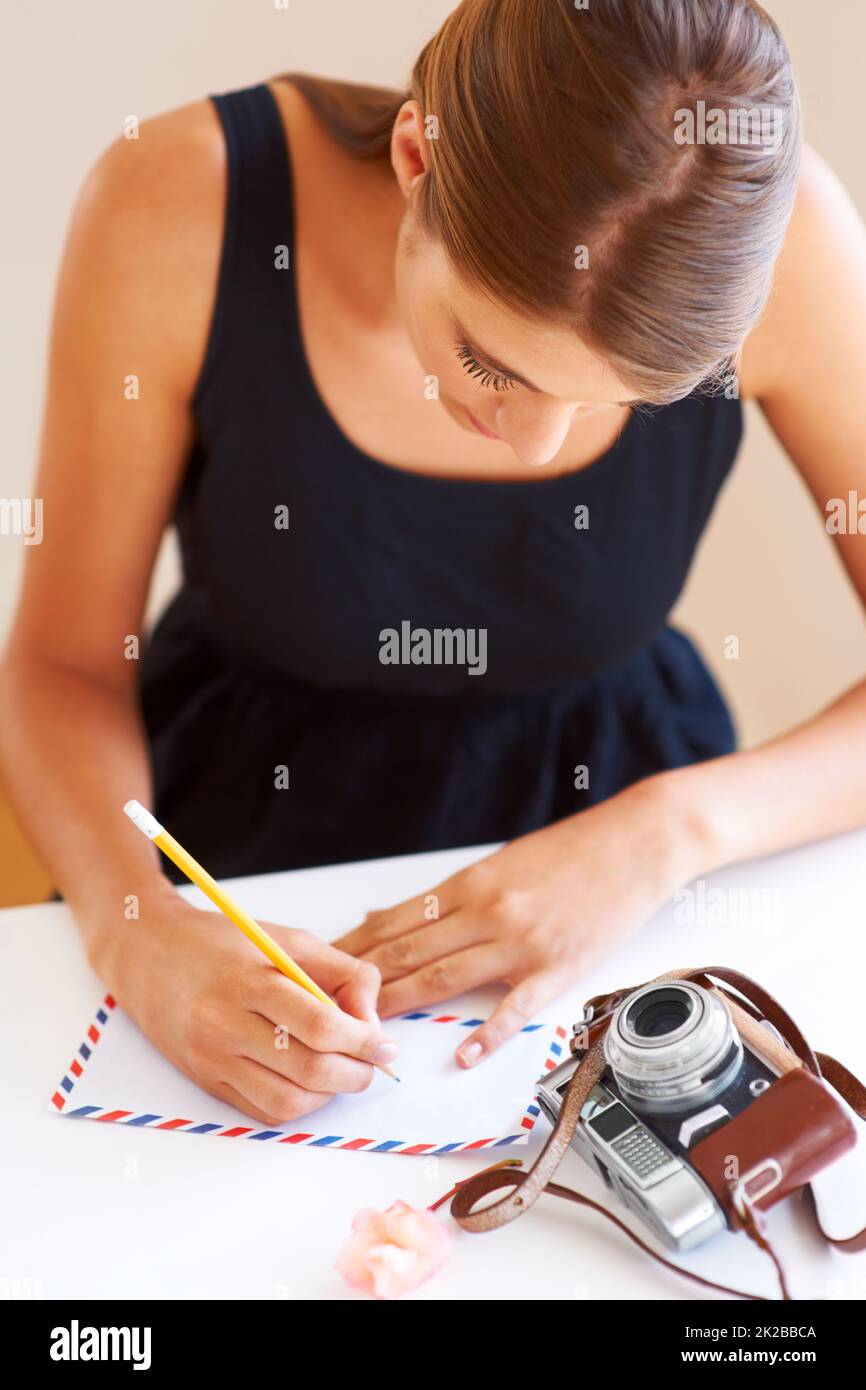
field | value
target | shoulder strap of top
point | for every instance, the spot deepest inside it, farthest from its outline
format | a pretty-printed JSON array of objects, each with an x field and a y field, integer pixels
[{"x": 256, "y": 272}]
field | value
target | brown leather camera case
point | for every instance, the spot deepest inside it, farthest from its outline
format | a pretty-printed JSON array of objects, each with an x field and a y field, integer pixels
[{"x": 797, "y": 1122}]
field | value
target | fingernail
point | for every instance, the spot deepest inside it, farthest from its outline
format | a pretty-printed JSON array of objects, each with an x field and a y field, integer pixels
[
  {"x": 385, "y": 1052},
  {"x": 469, "y": 1053}
]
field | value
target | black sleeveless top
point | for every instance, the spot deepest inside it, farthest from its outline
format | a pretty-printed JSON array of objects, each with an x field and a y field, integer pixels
[{"x": 367, "y": 661}]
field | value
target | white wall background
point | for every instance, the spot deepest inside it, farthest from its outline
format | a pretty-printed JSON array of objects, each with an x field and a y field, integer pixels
[{"x": 71, "y": 70}]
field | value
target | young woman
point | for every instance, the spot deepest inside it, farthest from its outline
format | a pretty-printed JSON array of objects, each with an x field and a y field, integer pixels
[{"x": 385, "y": 360}]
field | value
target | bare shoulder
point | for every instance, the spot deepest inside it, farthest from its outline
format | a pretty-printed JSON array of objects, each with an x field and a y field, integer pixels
[
  {"x": 144, "y": 243},
  {"x": 178, "y": 151},
  {"x": 819, "y": 280}
]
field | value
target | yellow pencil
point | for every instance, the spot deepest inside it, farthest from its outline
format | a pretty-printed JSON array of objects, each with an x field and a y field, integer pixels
[{"x": 150, "y": 826}]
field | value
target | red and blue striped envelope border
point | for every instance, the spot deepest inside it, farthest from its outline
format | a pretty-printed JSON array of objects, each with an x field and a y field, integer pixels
[{"x": 63, "y": 1100}]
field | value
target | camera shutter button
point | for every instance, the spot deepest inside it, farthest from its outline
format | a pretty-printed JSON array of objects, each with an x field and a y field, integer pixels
[{"x": 701, "y": 1124}]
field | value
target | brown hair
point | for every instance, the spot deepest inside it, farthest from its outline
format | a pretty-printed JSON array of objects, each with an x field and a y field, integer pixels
[{"x": 557, "y": 129}]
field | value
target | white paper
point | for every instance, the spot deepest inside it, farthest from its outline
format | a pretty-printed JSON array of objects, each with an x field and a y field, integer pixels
[{"x": 437, "y": 1104}]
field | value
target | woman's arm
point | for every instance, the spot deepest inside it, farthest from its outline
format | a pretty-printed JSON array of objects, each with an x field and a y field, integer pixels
[
  {"x": 134, "y": 301},
  {"x": 806, "y": 363},
  {"x": 540, "y": 912}
]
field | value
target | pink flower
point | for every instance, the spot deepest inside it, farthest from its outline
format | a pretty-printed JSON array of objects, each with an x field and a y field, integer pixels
[{"x": 393, "y": 1252}]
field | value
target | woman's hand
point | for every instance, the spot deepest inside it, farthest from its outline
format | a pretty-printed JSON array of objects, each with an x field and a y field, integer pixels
[
  {"x": 228, "y": 1019},
  {"x": 536, "y": 915}
]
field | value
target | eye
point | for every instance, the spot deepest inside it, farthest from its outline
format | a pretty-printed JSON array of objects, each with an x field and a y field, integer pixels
[{"x": 485, "y": 377}]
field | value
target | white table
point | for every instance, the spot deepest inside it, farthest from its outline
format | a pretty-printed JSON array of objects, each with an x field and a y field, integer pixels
[{"x": 97, "y": 1211}]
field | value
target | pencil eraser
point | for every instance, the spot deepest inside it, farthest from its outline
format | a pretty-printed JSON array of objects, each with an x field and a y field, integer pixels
[{"x": 147, "y": 824}]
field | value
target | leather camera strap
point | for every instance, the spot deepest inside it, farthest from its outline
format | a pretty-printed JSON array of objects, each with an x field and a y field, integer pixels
[{"x": 528, "y": 1186}]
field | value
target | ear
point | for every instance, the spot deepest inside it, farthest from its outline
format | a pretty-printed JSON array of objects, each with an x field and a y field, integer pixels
[{"x": 409, "y": 152}]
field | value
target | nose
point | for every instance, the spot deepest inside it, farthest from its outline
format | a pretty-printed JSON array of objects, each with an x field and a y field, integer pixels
[{"x": 535, "y": 431}]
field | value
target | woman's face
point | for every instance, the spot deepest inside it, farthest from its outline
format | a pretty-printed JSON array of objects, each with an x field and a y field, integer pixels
[{"x": 498, "y": 375}]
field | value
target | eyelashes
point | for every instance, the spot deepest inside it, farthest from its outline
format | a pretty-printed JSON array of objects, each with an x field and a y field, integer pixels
[
  {"x": 486, "y": 377},
  {"x": 473, "y": 367}
]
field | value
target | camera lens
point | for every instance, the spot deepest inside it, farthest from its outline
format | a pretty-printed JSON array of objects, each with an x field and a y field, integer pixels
[
  {"x": 659, "y": 1013},
  {"x": 672, "y": 1047}
]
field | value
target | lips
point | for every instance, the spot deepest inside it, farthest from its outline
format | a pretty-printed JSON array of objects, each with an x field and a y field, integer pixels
[{"x": 482, "y": 429}]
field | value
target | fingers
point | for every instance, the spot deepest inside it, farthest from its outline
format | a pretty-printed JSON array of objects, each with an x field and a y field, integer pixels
[
  {"x": 356, "y": 981},
  {"x": 281, "y": 1052},
  {"x": 321, "y": 1027},
  {"x": 267, "y": 1097},
  {"x": 442, "y": 979},
  {"x": 352, "y": 983},
  {"x": 383, "y": 925},
  {"x": 408, "y": 953},
  {"x": 519, "y": 1007},
  {"x": 360, "y": 997}
]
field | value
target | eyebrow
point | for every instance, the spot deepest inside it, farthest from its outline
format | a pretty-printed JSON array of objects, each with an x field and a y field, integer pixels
[{"x": 488, "y": 360}]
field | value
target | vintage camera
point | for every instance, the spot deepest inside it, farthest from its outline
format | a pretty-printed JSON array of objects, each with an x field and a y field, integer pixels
[{"x": 675, "y": 1070}]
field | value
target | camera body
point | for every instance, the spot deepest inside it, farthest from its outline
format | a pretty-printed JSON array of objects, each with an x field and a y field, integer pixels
[{"x": 676, "y": 1070}]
